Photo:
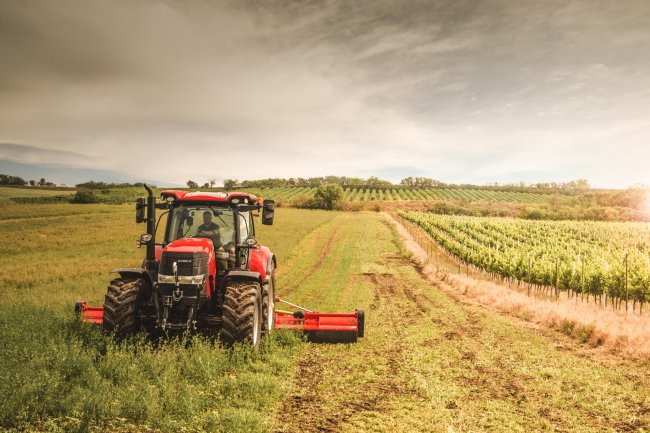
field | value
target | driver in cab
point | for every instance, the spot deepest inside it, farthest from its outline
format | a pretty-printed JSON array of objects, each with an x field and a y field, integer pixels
[{"x": 209, "y": 230}]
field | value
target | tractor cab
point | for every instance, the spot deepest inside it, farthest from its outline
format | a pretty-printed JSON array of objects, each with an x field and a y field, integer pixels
[{"x": 226, "y": 220}]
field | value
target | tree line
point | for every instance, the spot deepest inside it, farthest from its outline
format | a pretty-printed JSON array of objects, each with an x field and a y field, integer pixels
[
  {"x": 577, "y": 185},
  {"x": 312, "y": 182},
  {"x": 108, "y": 185},
  {"x": 6, "y": 179}
]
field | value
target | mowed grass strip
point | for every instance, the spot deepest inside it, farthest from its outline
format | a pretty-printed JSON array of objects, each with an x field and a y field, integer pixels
[
  {"x": 430, "y": 364},
  {"x": 57, "y": 374}
]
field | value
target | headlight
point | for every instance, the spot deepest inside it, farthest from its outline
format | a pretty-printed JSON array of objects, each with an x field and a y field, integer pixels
[{"x": 198, "y": 280}]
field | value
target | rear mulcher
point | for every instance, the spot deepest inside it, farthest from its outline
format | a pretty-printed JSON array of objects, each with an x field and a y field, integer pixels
[{"x": 212, "y": 276}]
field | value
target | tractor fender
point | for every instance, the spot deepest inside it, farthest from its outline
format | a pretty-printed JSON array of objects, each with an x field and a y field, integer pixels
[
  {"x": 244, "y": 275},
  {"x": 135, "y": 273},
  {"x": 239, "y": 275}
]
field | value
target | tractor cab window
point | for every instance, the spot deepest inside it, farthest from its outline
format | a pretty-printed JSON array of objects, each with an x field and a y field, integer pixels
[
  {"x": 216, "y": 223},
  {"x": 245, "y": 229}
]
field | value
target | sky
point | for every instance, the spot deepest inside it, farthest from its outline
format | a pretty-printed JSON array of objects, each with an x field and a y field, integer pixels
[{"x": 459, "y": 91}]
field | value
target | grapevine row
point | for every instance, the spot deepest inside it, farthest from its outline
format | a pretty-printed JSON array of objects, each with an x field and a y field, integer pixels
[
  {"x": 393, "y": 194},
  {"x": 604, "y": 260}
]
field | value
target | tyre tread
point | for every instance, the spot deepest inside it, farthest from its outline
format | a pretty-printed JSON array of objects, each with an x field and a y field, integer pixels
[{"x": 238, "y": 312}]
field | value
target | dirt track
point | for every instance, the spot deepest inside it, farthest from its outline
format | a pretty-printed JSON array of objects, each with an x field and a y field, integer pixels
[
  {"x": 430, "y": 363},
  {"x": 312, "y": 407}
]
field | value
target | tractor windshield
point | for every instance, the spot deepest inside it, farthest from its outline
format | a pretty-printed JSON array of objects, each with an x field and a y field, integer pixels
[{"x": 216, "y": 223}]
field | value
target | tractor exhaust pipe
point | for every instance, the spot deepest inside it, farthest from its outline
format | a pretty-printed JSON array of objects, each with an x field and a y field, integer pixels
[{"x": 151, "y": 229}]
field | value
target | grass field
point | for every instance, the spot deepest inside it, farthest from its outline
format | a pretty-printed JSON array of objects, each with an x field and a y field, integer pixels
[
  {"x": 58, "y": 375},
  {"x": 427, "y": 363},
  {"x": 7, "y": 193}
]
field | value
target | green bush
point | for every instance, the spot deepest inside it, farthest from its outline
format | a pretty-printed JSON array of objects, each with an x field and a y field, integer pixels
[
  {"x": 327, "y": 196},
  {"x": 84, "y": 196}
]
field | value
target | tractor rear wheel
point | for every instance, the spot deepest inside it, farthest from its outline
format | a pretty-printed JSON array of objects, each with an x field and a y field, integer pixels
[
  {"x": 121, "y": 306},
  {"x": 242, "y": 313},
  {"x": 268, "y": 304}
]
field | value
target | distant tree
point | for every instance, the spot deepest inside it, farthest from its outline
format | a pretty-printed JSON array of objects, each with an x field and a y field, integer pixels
[
  {"x": 374, "y": 181},
  {"x": 578, "y": 184},
  {"x": 206, "y": 185},
  {"x": 326, "y": 196},
  {"x": 32, "y": 182},
  {"x": 6, "y": 179},
  {"x": 42, "y": 182},
  {"x": 212, "y": 182},
  {"x": 230, "y": 183},
  {"x": 352, "y": 181},
  {"x": 192, "y": 185}
]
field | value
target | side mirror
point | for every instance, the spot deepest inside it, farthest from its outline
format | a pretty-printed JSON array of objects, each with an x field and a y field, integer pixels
[
  {"x": 140, "y": 207},
  {"x": 268, "y": 212}
]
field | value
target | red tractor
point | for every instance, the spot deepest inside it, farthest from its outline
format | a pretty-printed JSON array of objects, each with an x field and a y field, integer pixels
[{"x": 210, "y": 275}]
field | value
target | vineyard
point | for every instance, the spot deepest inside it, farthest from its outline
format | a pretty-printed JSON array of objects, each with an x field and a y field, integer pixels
[
  {"x": 289, "y": 193},
  {"x": 602, "y": 260}
]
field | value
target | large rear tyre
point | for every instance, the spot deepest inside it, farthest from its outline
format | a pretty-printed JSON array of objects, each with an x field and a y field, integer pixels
[
  {"x": 242, "y": 313},
  {"x": 268, "y": 304},
  {"x": 121, "y": 306}
]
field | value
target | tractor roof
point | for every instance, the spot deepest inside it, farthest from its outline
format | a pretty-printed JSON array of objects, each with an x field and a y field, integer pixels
[{"x": 220, "y": 197}]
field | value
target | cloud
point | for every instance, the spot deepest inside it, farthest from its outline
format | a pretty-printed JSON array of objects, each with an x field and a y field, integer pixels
[
  {"x": 68, "y": 175},
  {"x": 40, "y": 156},
  {"x": 457, "y": 90}
]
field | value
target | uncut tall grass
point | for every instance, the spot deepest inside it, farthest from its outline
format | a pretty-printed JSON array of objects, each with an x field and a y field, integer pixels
[{"x": 57, "y": 374}]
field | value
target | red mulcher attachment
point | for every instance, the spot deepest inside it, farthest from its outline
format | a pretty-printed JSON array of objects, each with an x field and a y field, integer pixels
[
  {"x": 89, "y": 314},
  {"x": 322, "y": 327},
  {"x": 319, "y": 327}
]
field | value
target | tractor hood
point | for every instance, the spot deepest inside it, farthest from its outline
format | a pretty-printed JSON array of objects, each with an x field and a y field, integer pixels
[
  {"x": 190, "y": 256},
  {"x": 190, "y": 245}
]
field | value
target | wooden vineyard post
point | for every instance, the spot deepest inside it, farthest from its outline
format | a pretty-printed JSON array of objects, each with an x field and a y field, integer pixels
[
  {"x": 582, "y": 281},
  {"x": 626, "y": 291},
  {"x": 530, "y": 265},
  {"x": 557, "y": 278}
]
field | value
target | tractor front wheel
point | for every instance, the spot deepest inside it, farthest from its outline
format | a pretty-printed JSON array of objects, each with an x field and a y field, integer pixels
[
  {"x": 121, "y": 306},
  {"x": 242, "y": 313}
]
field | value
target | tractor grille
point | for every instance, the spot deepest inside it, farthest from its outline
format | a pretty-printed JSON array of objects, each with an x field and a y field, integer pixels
[{"x": 189, "y": 264}]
